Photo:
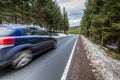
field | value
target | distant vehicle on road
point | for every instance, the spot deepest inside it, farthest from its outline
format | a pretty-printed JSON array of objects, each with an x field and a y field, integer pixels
[{"x": 19, "y": 44}]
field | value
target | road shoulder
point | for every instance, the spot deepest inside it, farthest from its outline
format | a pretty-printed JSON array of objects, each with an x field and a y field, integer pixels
[{"x": 81, "y": 69}]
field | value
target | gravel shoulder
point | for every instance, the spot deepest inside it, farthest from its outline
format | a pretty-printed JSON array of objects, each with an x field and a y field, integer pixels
[{"x": 81, "y": 69}]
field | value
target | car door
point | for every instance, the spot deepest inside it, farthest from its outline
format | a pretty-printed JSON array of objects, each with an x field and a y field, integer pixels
[
  {"x": 47, "y": 41},
  {"x": 40, "y": 40},
  {"x": 34, "y": 39}
]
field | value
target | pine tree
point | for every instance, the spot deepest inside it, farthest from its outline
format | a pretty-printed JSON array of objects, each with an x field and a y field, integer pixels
[
  {"x": 45, "y": 13},
  {"x": 101, "y": 21},
  {"x": 66, "y": 23}
]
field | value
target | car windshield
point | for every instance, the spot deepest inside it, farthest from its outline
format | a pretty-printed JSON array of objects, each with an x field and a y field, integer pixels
[{"x": 4, "y": 31}]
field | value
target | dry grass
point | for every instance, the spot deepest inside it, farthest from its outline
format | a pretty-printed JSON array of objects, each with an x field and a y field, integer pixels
[{"x": 112, "y": 54}]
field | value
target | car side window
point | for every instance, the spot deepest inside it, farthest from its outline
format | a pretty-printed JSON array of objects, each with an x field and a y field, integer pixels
[
  {"x": 34, "y": 31},
  {"x": 31, "y": 31},
  {"x": 43, "y": 33}
]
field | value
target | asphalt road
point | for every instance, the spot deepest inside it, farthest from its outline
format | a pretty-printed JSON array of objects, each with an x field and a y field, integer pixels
[{"x": 49, "y": 66}]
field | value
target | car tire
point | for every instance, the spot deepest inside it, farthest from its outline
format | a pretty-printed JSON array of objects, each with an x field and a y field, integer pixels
[{"x": 23, "y": 58}]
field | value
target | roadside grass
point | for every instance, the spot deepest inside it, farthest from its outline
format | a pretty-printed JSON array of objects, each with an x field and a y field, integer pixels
[
  {"x": 110, "y": 52},
  {"x": 113, "y": 55}
]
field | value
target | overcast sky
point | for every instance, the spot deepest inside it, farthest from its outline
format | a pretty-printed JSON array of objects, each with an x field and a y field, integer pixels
[{"x": 74, "y": 9}]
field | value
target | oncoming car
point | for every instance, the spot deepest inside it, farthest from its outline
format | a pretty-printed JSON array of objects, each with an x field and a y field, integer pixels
[{"x": 18, "y": 45}]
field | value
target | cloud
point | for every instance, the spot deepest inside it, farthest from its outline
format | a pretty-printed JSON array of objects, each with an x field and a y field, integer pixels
[
  {"x": 74, "y": 9},
  {"x": 72, "y": 4},
  {"x": 75, "y": 22},
  {"x": 75, "y": 14},
  {"x": 62, "y": 1}
]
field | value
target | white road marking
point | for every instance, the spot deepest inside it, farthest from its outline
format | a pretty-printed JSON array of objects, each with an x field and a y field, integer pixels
[{"x": 66, "y": 70}]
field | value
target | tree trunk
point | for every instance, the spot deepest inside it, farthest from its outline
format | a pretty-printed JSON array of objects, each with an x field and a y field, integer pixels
[
  {"x": 118, "y": 45},
  {"x": 22, "y": 15},
  {"x": 15, "y": 18},
  {"x": 103, "y": 42},
  {"x": 90, "y": 35},
  {"x": 0, "y": 21}
]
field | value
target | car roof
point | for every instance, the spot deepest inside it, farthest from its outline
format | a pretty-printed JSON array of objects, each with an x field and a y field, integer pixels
[{"x": 19, "y": 26}]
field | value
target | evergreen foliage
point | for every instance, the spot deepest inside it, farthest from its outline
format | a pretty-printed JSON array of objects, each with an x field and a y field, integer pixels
[
  {"x": 101, "y": 21},
  {"x": 45, "y": 13}
]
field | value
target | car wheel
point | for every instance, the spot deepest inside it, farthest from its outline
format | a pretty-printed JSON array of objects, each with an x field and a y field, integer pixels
[
  {"x": 54, "y": 45},
  {"x": 23, "y": 59}
]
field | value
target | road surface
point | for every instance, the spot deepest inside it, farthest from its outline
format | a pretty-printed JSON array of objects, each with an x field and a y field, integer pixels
[{"x": 49, "y": 66}]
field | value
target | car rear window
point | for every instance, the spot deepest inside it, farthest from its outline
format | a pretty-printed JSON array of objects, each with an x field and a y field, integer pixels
[{"x": 4, "y": 31}]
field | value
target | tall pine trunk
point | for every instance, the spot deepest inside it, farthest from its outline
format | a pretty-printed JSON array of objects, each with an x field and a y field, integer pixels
[
  {"x": 103, "y": 41},
  {"x": 15, "y": 18},
  {"x": 118, "y": 44},
  {"x": 0, "y": 21}
]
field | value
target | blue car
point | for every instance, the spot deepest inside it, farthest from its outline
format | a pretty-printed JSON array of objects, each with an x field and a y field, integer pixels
[{"x": 19, "y": 44}]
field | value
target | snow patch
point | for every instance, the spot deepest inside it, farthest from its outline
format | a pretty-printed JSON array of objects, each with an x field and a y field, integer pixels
[
  {"x": 112, "y": 46},
  {"x": 59, "y": 35},
  {"x": 104, "y": 67}
]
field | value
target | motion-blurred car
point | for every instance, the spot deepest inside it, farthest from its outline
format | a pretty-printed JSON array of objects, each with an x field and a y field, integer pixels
[{"x": 19, "y": 44}]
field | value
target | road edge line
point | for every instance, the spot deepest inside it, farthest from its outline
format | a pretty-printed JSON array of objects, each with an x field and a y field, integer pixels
[{"x": 65, "y": 73}]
